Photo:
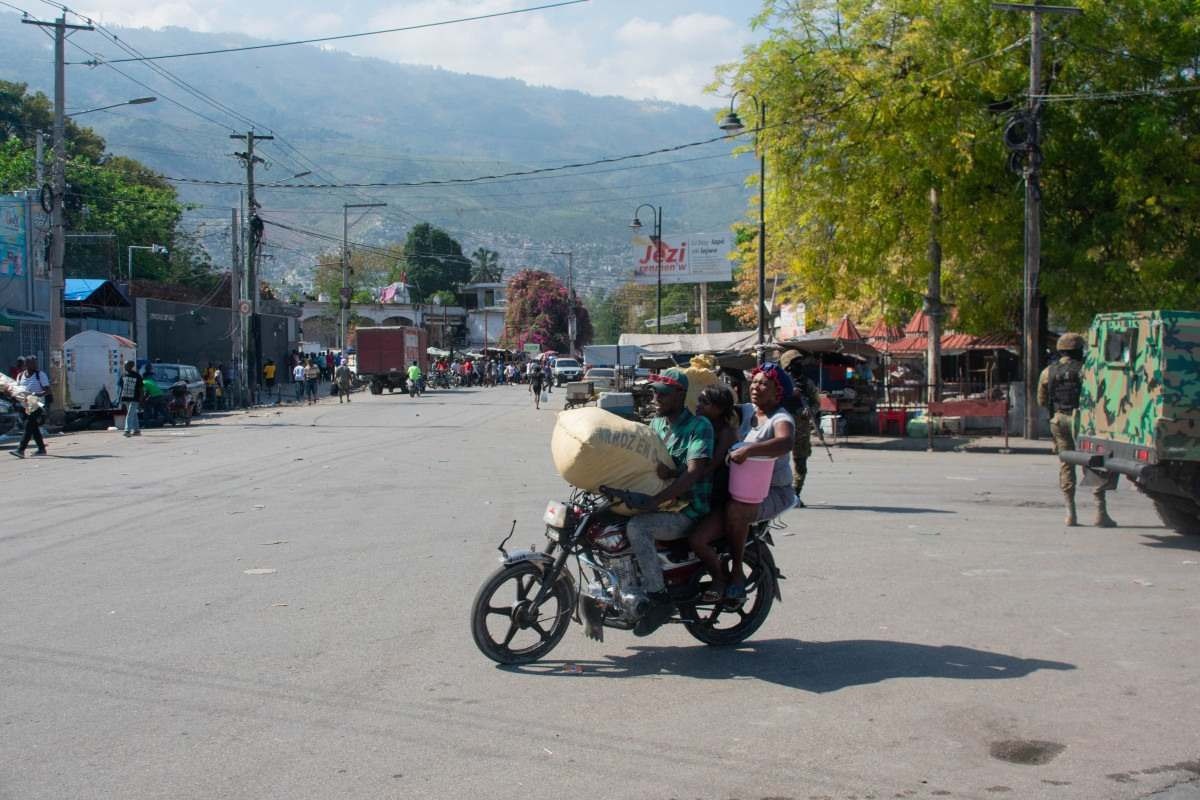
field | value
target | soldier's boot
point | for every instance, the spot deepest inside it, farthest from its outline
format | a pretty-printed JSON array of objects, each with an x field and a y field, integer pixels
[
  {"x": 798, "y": 485},
  {"x": 1072, "y": 520},
  {"x": 1103, "y": 520}
]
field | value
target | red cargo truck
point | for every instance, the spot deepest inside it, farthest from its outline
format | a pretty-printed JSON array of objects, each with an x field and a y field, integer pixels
[{"x": 385, "y": 354}]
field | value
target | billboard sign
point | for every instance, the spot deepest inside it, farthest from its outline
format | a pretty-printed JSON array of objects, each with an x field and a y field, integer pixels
[
  {"x": 13, "y": 249},
  {"x": 698, "y": 258}
]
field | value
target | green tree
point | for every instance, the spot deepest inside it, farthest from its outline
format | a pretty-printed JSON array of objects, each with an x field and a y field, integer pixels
[
  {"x": 434, "y": 262},
  {"x": 538, "y": 311},
  {"x": 367, "y": 271},
  {"x": 873, "y": 105},
  {"x": 487, "y": 266},
  {"x": 105, "y": 193}
]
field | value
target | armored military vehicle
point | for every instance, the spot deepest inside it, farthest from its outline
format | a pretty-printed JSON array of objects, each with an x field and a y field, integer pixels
[{"x": 1139, "y": 409}]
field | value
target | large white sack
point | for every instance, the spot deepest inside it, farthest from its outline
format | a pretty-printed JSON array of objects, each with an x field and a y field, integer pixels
[{"x": 592, "y": 447}]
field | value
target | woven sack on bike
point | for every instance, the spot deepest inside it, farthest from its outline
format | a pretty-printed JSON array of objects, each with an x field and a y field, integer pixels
[
  {"x": 701, "y": 373},
  {"x": 592, "y": 447}
]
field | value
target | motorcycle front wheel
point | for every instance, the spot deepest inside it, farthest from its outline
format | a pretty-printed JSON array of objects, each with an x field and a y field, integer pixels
[
  {"x": 723, "y": 624},
  {"x": 507, "y": 627}
]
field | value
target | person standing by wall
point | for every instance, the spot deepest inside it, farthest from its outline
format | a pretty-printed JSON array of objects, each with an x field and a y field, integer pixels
[
  {"x": 132, "y": 393},
  {"x": 1058, "y": 392}
]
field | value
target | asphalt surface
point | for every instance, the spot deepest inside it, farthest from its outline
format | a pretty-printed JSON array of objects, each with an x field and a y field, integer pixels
[{"x": 275, "y": 605}]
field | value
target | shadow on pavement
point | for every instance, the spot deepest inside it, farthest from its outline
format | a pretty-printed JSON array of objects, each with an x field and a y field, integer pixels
[
  {"x": 880, "y": 509},
  {"x": 1172, "y": 541},
  {"x": 817, "y": 667}
]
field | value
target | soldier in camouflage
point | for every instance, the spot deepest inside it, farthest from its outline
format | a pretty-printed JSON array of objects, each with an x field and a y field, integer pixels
[
  {"x": 1058, "y": 392},
  {"x": 805, "y": 406}
]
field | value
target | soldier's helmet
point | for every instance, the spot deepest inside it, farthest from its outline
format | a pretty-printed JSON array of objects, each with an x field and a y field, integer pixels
[
  {"x": 1070, "y": 341},
  {"x": 787, "y": 358}
]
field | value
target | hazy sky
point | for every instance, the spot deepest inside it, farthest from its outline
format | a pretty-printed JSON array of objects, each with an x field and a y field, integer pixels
[{"x": 662, "y": 49}]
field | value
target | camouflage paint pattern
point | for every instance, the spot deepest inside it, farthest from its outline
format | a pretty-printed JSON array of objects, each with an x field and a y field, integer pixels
[{"x": 1141, "y": 382}]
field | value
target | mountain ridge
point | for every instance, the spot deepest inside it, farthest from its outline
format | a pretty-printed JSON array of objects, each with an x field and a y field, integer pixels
[{"x": 358, "y": 119}]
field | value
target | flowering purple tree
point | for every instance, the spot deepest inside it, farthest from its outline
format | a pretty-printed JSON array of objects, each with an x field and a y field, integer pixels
[{"x": 538, "y": 310}]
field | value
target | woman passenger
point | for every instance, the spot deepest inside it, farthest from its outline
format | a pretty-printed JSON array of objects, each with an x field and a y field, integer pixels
[{"x": 767, "y": 431}]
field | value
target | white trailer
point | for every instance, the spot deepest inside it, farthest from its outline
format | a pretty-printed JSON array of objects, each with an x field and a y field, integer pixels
[{"x": 95, "y": 361}]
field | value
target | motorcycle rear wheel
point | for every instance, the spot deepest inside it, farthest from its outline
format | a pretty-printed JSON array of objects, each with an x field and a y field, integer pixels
[
  {"x": 747, "y": 618},
  {"x": 539, "y": 630}
]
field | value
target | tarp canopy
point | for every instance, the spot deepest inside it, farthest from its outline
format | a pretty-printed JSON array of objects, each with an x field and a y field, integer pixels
[
  {"x": 96, "y": 291},
  {"x": 731, "y": 342},
  {"x": 733, "y": 350},
  {"x": 826, "y": 341}
]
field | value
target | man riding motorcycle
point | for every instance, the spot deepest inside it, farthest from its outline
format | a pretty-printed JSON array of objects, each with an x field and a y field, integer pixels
[{"x": 689, "y": 438}]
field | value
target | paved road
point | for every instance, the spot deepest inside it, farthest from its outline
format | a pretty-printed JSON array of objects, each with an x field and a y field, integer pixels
[{"x": 937, "y": 620}]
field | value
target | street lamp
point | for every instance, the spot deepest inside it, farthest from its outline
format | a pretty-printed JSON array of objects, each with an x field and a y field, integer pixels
[
  {"x": 344, "y": 297},
  {"x": 137, "y": 101},
  {"x": 658, "y": 253},
  {"x": 153, "y": 248},
  {"x": 732, "y": 124}
]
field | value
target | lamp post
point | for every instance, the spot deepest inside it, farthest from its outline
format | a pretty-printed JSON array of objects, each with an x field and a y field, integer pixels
[
  {"x": 137, "y": 101},
  {"x": 732, "y": 124},
  {"x": 658, "y": 252},
  {"x": 344, "y": 297}
]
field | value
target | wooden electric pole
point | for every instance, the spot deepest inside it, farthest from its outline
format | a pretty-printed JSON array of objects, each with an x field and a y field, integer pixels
[
  {"x": 253, "y": 225},
  {"x": 58, "y": 241},
  {"x": 1031, "y": 325}
]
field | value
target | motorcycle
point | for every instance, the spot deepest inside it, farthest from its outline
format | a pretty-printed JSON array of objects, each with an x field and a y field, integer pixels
[
  {"x": 440, "y": 380},
  {"x": 179, "y": 407},
  {"x": 416, "y": 388},
  {"x": 523, "y": 610}
]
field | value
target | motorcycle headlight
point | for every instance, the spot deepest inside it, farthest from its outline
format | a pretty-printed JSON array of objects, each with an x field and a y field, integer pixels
[
  {"x": 553, "y": 534},
  {"x": 555, "y": 515}
]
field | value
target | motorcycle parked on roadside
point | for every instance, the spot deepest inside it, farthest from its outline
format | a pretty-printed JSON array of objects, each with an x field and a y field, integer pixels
[{"x": 523, "y": 610}]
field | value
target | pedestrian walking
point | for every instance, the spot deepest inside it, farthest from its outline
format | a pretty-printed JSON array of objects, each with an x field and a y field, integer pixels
[
  {"x": 535, "y": 386},
  {"x": 312, "y": 379},
  {"x": 342, "y": 375},
  {"x": 37, "y": 383},
  {"x": 1058, "y": 392},
  {"x": 548, "y": 377},
  {"x": 133, "y": 391},
  {"x": 298, "y": 381}
]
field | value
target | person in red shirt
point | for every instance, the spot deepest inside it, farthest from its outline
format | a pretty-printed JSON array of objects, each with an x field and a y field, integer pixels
[{"x": 18, "y": 369}]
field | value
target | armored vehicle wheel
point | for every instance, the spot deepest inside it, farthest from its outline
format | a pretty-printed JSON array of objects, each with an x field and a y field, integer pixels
[{"x": 1175, "y": 515}]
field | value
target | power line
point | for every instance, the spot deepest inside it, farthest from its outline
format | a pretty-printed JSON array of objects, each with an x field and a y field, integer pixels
[
  {"x": 476, "y": 179},
  {"x": 339, "y": 37}
]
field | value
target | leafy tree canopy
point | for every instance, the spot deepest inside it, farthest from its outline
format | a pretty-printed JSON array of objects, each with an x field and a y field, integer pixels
[
  {"x": 871, "y": 105},
  {"x": 434, "y": 262},
  {"x": 538, "y": 311},
  {"x": 105, "y": 194},
  {"x": 487, "y": 266}
]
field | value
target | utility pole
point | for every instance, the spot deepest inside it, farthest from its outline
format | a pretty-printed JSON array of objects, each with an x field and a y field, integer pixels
[
  {"x": 1031, "y": 326},
  {"x": 933, "y": 306},
  {"x": 254, "y": 227},
  {"x": 344, "y": 295},
  {"x": 933, "y": 297},
  {"x": 572, "y": 324},
  {"x": 58, "y": 242},
  {"x": 237, "y": 348}
]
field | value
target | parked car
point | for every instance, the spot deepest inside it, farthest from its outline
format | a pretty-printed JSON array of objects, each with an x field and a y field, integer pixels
[
  {"x": 566, "y": 369},
  {"x": 166, "y": 374},
  {"x": 603, "y": 379}
]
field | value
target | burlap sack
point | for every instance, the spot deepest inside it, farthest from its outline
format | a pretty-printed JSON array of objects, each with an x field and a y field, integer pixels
[
  {"x": 701, "y": 373},
  {"x": 592, "y": 447}
]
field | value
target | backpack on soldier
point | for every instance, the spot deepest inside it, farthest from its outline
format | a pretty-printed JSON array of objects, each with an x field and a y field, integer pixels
[{"x": 1065, "y": 384}]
